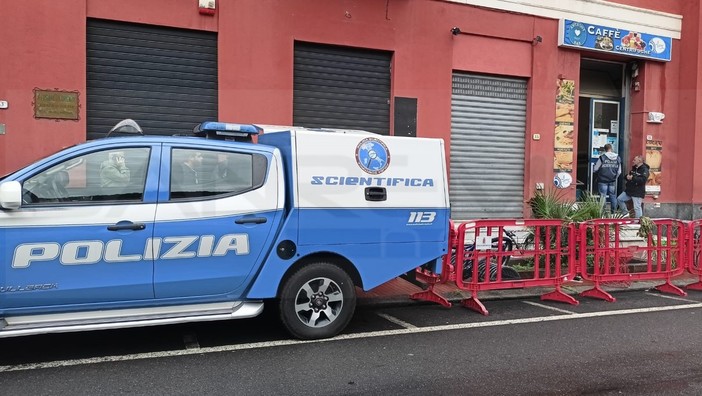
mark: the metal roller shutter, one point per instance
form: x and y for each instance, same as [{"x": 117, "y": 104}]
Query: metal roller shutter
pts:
[
  {"x": 488, "y": 122},
  {"x": 163, "y": 78},
  {"x": 341, "y": 87}
]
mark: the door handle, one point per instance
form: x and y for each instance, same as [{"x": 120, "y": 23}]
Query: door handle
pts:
[
  {"x": 251, "y": 220},
  {"x": 121, "y": 226},
  {"x": 376, "y": 194}
]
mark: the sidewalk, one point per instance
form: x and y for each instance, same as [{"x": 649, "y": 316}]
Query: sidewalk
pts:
[{"x": 398, "y": 291}]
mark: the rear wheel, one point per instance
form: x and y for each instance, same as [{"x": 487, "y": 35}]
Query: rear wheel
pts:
[
  {"x": 317, "y": 301},
  {"x": 509, "y": 273}
]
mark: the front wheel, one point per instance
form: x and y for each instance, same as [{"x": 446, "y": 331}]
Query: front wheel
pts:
[{"x": 317, "y": 301}]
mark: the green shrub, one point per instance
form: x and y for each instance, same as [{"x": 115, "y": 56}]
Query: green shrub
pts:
[{"x": 553, "y": 204}]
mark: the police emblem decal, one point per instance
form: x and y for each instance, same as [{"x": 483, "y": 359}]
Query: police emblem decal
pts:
[{"x": 372, "y": 155}]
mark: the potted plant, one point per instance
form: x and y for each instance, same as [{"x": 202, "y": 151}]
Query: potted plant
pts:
[{"x": 552, "y": 204}]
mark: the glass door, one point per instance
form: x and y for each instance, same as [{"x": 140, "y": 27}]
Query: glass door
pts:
[{"x": 604, "y": 128}]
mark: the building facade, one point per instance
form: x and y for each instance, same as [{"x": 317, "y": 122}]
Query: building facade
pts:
[{"x": 525, "y": 94}]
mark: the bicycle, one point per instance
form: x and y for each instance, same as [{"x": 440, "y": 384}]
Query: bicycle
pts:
[{"x": 508, "y": 243}]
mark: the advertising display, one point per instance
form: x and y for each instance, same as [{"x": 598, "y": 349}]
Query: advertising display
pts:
[
  {"x": 564, "y": 128},
  {"x": 654, "y": 159},
  {"x": 586, "y": 36}
]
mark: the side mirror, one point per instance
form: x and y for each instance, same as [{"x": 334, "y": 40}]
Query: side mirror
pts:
[{"x": 10, "y": 195}]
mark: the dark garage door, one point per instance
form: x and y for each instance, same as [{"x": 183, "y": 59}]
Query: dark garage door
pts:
[
  {"x": 163, "y": 78},
  {"x": 339, "y": 87}
]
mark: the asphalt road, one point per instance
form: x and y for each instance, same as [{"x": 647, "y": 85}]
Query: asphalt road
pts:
[{"x": 644, "y": 344}]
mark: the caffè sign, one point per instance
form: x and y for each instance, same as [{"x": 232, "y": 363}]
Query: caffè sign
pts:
[{"x": 56, "y": 104}]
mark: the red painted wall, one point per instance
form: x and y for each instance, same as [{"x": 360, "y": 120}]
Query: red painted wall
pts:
[
  {"x": 257, "y": 45},
  {"x": 46, "y": 49},
  {"x": 256, "y": 40},
  {"x": 173, "y": 13},
  {"x": 664, "y": 87},
  {"x": 425, "y": 55},
  {"x": 39, "y": 50},
  {"x": 688, "y": 90}
]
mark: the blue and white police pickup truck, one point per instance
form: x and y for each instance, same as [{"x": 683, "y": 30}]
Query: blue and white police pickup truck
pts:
[{"x": 144, "y": 230}]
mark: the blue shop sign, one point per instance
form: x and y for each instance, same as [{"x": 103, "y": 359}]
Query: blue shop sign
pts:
[{"x": 613, "y": 40}]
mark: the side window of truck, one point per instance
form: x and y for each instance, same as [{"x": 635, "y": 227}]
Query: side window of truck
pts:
[
  {"x": 108, "y": 175},
  {"x": 205, "y": 173}
]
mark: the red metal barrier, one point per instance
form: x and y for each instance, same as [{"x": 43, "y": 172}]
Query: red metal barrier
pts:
[
  {"x": 609, "y": 248},
  {"x": 603, "y": 251},
  {"x": 694, "y": 252},
  {"x": 431, "y": 278},
  {"x": 485, "y": 248},
  {"x": 448, "y": 271}
]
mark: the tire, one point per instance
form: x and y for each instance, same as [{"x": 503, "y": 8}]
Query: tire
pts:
[
  {"x": 317, "y": 301},
  {"x": 468, "y": 258},
  {"x": 509, "y": 273},
  {"x": 468, "y": 270}
]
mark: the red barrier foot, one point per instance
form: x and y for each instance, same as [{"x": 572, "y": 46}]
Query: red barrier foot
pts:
[
  {"x": 474, "y": 304},
  {"x": 426, "y": 276},
  {"x": 431, "y": 296},
  {"x": 695, "y": 286},
  {"x": 670, "y": 288},
  {"x": 559, "y": 296},
  {"x": 597, "y": 292}
]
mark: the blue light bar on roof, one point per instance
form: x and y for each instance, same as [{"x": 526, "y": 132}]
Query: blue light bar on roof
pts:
[{"x": 227, "y": 129}]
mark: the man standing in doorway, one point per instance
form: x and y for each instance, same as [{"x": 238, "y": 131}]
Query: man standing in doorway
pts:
[
  {"x": 608, "y": 168},
  {"x": 635, "y": 188}
]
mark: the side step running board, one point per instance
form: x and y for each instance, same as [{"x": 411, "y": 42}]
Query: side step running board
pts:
[{"x": 121, "y": 318}]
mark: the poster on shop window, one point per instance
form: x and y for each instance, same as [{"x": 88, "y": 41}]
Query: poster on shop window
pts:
[
  {"x": 654, "y": 159},
  {"x": 564, "y": 130}
]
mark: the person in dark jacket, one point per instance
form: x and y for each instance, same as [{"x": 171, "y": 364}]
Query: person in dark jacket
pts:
[
  {"x": 189, "y": 170},
  {"x": 185, "y": 174},
  {"x": 635, "y": 188},
  {"x": 608, "y": 169}
]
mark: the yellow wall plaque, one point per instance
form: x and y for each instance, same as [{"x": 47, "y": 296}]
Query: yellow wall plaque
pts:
[{"x": 60, "y": 105}]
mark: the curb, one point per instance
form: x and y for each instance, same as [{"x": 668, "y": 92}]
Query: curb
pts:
[{"x": 397, "y": 291}]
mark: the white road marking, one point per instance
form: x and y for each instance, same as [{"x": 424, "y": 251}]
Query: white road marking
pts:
[
  {"x": 384, "y": 333},
  {"x": 671, "y": 297},
  {"x": 551, "y": 308},
  {"x": 397, "y": 321}
]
